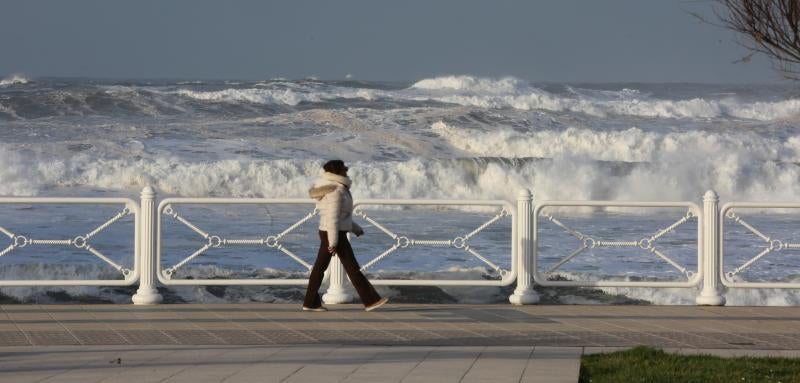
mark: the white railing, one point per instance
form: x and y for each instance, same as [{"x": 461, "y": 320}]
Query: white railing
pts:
[
  {"x": 19, "y": 239},
  {"x": 170, "y": 209},
  {"x": 458, "y": 241},
  {"x": 336, "y": 293},
  {"x": 523, "y": 255},
  {"x": 771, "y": 244},
  {"x": 648, "y": 244}
]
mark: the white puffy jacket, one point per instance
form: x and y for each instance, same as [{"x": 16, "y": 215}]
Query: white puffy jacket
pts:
[{"x": 335, "y": 206}]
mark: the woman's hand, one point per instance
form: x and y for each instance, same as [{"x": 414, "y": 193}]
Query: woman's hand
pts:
[{"x": 331, "y": 250}]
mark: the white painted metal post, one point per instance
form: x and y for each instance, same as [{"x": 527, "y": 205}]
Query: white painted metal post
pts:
[
  {"x": 526, "y": 263},
  {"x": 147, "y": 293},
  {"x": 336, "y": 292},
  {"x": 711, "y": 294}
]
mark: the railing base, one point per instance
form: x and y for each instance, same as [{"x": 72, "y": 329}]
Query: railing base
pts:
[
  {"x": 336, "y": 296},
  {"x": 710, "y": 300},
  {"x": 525, "y": 297},
  {"x": 147, "y": 297}
]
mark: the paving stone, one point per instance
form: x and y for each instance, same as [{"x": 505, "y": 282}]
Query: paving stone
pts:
[
  {"x": 285, "y": 337},
  {"x": 602, "y": 350},
  {"x": 499, "y": 364},
  {"x": 222, "y": 366},
  {"x": 98, "y": 337},
  {"x": 13, "y": 338},
  {"x": 144, "y": 337},
  {"x": 553, "y": 365},
  {"x": 280, "y": 365},
  {"x": 648, "y": 339},
  {"x": 444, "y": 364},
  {"x": 51, "y": 338},
  {"x": 693, "y": 339},
  {"x": 596, "y": 338},
  {"x": 193, "y": 337},
  {"x": 240, "y": 337},
  {"x": 389, "y": 365},
  {"x": 334, "y": 366}
]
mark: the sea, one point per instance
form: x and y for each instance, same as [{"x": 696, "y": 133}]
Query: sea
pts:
[{"x": 457, "y": 137}]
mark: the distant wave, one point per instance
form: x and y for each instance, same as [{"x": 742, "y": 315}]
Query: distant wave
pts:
[
  {"x": 513, "y": 93},
  {"x": 471, "y": 84},
  {"x": 14, "y": 80},
  {"x": 469, "y": 91},
  {"x": 509, "y": 92},
  {"x": 286, "y": 96}
]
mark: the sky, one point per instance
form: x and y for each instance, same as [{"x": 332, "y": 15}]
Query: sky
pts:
[{"x": 538, "y": 40}]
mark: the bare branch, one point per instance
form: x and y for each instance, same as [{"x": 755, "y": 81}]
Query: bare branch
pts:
[{"x": 771, "y": 27}]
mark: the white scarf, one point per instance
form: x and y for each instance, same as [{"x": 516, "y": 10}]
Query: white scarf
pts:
[{"x": 337, "y": 178}]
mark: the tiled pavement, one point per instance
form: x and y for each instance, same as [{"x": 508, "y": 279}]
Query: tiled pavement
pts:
[
  {"x": 264, "y": 342},
  {"x": 771, "y": 328}
]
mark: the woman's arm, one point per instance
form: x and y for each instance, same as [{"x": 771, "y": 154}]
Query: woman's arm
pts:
[
  {"x": 357, "y": 230},
  {"x": 334, "y": 201}
]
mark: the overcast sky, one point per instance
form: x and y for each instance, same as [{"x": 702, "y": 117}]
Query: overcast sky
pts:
[{"x": 539, "y": 40}]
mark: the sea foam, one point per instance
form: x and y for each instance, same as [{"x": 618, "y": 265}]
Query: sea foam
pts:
[
  {"x": 517, "y": 94},
  {"x": 16, "y": 79}
]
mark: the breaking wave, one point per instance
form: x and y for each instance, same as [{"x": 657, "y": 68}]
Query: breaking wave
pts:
[
  {"x": 513, "y": 93},
  {"x": 487, "y": 93},
  {"x": 14, "y": 80},
  {"x": 286, "y": 96},
  {"x": 665, "y": 168}
]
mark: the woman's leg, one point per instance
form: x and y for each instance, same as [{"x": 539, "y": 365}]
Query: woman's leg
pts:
[
  {"x": 365, "y": 289},
  {"x": 313, "y": 299}
]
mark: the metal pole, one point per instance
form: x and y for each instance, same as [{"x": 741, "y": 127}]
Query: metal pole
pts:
[
  {"x": 711, "y": 294},
  {"x": 147, "y": 293},
  {"x": 526, "y": 262},
  {"x": 336, "y": 292}
]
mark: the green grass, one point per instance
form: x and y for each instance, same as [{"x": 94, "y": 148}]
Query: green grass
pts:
[{"x": 645, "y": 364}]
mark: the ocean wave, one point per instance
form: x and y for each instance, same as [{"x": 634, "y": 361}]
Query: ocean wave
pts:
[
  {"x": 438, "y": 92},
  {"x": 628, "y": 145},
  {"x": 674, "y": 175},
  {"x": 16, "y": 79},
  {"x": 8, "y": 113},
  {"x": 255, "y": 96},
  {"x": 517, "y": 94},
  {"x": 272, "y": 95},
  {"x": 687, "y": 296},
  {"x": 471, "y": 84}
]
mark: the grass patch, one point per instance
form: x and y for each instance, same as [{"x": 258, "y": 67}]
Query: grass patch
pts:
[{"x": 645, "y": 364}]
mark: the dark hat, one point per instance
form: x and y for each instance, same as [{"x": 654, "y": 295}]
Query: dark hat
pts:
[{"x": 334, "y": 166}]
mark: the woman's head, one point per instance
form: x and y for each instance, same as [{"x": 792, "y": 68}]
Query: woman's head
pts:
[{"x": 335, "y": 167}]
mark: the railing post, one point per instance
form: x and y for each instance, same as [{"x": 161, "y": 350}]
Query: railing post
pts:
[
  {"x": 526, "y": 263},
  {"x": 711, "y": 294},
  {"x": 147, "y": 293},
  {"x": 336, "y": 292}
]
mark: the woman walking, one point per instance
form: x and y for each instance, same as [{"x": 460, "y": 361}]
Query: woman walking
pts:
[{"x": 336, "y": 220}]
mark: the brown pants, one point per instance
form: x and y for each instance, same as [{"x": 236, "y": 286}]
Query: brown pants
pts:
[{"x": 345, "y": 253}]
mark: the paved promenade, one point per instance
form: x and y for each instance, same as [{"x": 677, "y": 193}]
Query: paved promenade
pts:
[{"x": 409, "y": 343}]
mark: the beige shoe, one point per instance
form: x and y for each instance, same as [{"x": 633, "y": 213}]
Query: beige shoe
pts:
[
  {"x": 377, "y": 304},
  {"x": 316, "y": 309}
]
